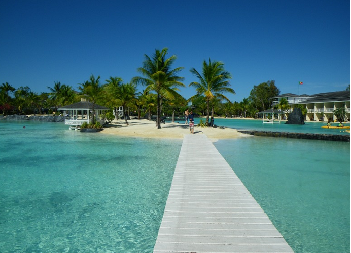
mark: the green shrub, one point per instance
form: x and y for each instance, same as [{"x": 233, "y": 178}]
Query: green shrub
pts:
[
  {"x": 202, "y": 123},
  {"x": 84, "y": 125},
  {"x": 97, "y": 125}
]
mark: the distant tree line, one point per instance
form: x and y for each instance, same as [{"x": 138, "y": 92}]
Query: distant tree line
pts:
[{"x": 160, "y": 96}]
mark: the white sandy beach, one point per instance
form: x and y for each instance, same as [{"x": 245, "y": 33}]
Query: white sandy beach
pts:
[{"x": 147, "y": 129}]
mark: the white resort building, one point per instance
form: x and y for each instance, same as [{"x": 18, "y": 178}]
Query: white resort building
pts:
[{"x": 320, "y": 106}]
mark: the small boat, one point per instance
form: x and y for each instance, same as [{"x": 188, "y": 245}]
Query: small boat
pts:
[
  {"x": 336, "y": 127},
  {"x": 74, "y": 127}
]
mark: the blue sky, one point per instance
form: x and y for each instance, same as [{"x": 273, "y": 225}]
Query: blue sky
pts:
[{"x": 257, "y": 40}]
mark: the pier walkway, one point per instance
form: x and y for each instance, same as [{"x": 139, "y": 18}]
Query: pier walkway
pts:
[{"x": 209, "y": 209}]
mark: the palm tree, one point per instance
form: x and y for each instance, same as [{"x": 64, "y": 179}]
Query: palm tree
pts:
[
  {"x": 214, "y": 81},
  {"x": 6, "y": 87},
  {"x": 61, "y": 95},
  {"x": 91, "y": 89},
  {"x": 67, "y": 95},
  {"x": 55, "y": 93},
  {"x": 126, "y": 96},
  {"x": 340, "y": 114},
  {"x": 5, "y": 98},
  {"x": 160, "y": 78},
  {"x": 148, "y": 101},
  {"x": 21, "y": 98},
  {"x": 245, "y": 105},
  {"x": 112, "y": 89}
]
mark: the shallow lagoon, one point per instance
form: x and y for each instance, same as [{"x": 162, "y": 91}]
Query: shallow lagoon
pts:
[
  {"x": 303, "y": 186},
  {"x": 66, "y": 191},
  {"x": 256, "y": 124}
]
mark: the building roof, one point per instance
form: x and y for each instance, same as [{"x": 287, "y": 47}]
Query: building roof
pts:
[
  {"x": 292, "y": 95},
  {"x": 272, "y": 111},
  {"x": 338, "y": 96},
  {"x": 83, "y": 105}
]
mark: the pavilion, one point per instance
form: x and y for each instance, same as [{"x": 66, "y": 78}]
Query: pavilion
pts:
[
  {"x": 81, "y": 112},
  {"x": 268, "y": 115}
]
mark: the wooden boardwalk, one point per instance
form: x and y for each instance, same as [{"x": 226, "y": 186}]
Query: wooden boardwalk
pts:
[{"x": 209, "y": 209}]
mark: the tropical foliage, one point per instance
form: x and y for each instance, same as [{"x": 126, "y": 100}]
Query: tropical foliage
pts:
[
  {"x": 161, "y": 82},
  {"x": 213, "y": 82},
  {"x": 159, "y": 77},
  {"x": 340, "y": 114},
  {"x": 261, "y": 96}
]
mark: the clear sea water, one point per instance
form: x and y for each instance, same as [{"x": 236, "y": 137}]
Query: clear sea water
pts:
[
  {"x": 249, "y": 124},
  {"x": 303, "y": 186},
  {"x": 66, "y": 191}
]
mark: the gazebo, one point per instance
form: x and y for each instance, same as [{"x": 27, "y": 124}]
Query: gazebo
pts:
[
  {"x": 82, "y": 112},
  {"x": 268, "y": 115}
]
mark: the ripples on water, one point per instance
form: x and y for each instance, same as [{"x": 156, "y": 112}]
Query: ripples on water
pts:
[
  {"x": 66, "y": 191},
  {"x": 303, "y": 186}
]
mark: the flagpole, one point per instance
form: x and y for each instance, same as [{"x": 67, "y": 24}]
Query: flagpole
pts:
[{"x": 298, "y": 90}]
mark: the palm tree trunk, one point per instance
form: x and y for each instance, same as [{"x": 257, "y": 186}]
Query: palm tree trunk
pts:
[
  {"x": 158, "y": 111},
  {"x": 125, "y": 114},
  {"x": 207, "y": 111}
]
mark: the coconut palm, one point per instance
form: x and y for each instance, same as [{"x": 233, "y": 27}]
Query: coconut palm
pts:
[
  {"x": 61, "y": 94},
  {"x": 148, "y": 101},
  {"x": 7, "y": 88},
  {"x": 126, "y": 96},
  {"x": 21, "y": 98},
  {"x": 111, "y": 91},
  {"x": 160, "y": 78},
  {"x": 340, "y": 114},
  {"x": 213, "y": 82},
  {"x": 91, "y": 89},
  {"x": 5, "y": 98},
  {"x": 55, "y": 93}
]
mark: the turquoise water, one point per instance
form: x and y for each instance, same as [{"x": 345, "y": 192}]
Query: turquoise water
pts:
[
  {"x": 247, "y": 124},
  {"x": 303, "y": 186},
  {"x": 66, "y": 191}
]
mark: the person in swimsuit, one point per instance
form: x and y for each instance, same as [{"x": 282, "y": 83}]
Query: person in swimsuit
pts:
[{"x": 186, "y": 116}]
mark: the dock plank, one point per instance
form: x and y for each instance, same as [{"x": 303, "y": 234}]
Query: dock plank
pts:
[{"x": 209, "y": 209}]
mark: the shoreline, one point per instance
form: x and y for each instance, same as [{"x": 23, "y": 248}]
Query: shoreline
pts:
[{"x": 144, "y": 128}]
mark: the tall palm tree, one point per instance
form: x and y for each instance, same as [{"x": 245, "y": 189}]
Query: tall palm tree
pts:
[
  {"x": 160, "y": 78},
  {"x": 213, "y": 82}
]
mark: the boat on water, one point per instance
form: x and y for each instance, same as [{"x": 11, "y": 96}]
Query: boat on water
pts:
[
  {"x": 336, "y": 127},
  {"x": 74, "y": 127}
]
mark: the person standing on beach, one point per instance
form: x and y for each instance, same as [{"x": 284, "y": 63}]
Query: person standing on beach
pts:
[
  {"x": 186, "y": 116},
  {"x": 191, "y": 122}
]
